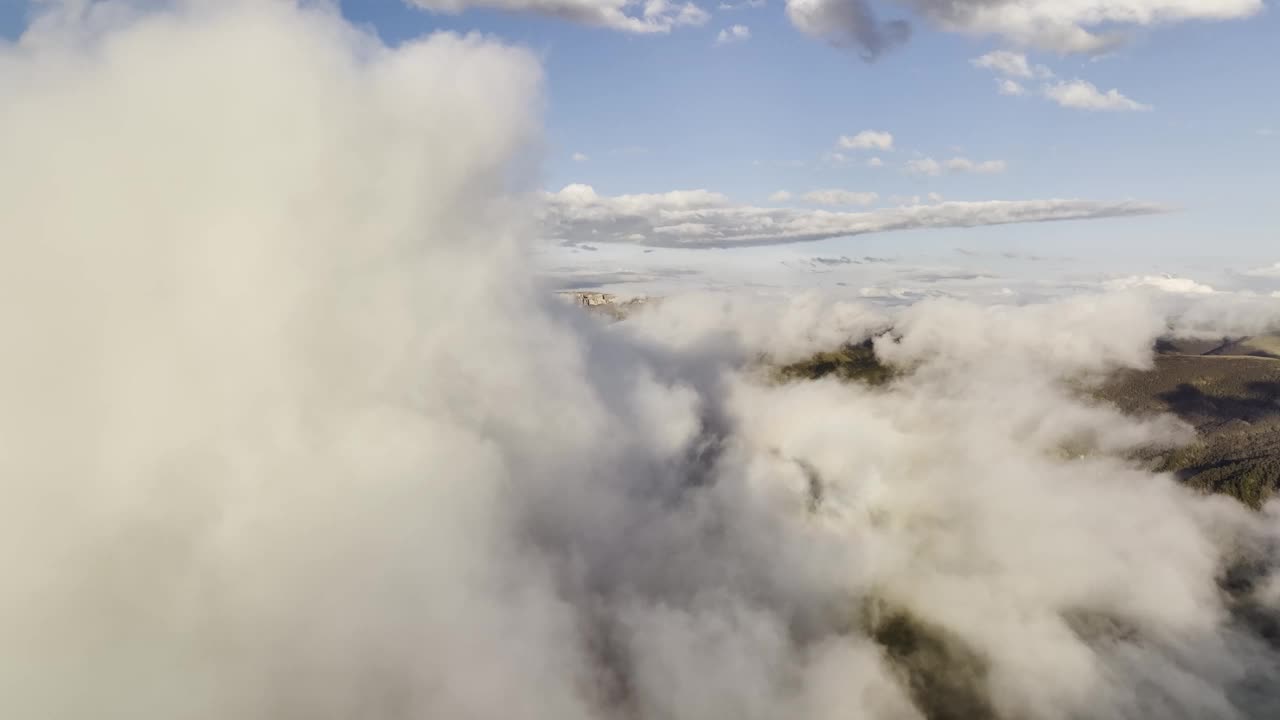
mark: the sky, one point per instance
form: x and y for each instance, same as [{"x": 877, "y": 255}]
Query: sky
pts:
[{"x": 821, "y": 105}]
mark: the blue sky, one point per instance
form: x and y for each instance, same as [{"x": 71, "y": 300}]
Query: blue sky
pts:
[{"x": 674, "y": 110}]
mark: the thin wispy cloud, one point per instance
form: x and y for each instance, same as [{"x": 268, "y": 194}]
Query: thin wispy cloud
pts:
[
  {"x": 733, "y": 34},
  {"x": 835, "y": 197},
  {"x": 1011, "y": 64},
  {"x": 933, "y": 168},
  {"x": 699, "y": 218},
  {"x": 1005, "y": 86},
  {"x": 866, "y": 140}
]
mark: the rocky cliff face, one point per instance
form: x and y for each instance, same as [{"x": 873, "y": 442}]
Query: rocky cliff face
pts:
[
  {"x": 591, "y": 299},
  {"x": 606, "y": 303}
]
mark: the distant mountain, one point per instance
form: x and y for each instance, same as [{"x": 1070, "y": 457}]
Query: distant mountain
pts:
[
  {"x": 1230, "y": 392},
  {"x": 1227, "y": 389}
]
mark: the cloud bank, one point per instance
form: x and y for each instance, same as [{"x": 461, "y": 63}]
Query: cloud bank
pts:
[
  {"x": 654, "y": 16},
  {"x": 698, "y": 218},
  {"x": 1050, "y": 25},
  {"x": 290, "y": 433}
]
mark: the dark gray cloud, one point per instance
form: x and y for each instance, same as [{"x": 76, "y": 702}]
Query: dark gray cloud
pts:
[{"x": 848, "y": 24}]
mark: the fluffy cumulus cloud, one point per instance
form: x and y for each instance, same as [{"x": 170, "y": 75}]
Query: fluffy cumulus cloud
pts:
[
  {"x": 651, "y": 16},
  {"x": 698, "y": 218},
  {"x": 866, "y": 140},
  {"x": 1063, "y": 27},
  {"x": 1078, "y": 94},
  {"x": 1165, "y": 283},
  {"x": 290, "y": 432},
  {"x": 733, "y": 34},
  {"x": 1084, "y": 95}
]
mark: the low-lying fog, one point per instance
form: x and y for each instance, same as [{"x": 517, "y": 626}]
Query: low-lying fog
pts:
[{"x": 291, "y": 431}]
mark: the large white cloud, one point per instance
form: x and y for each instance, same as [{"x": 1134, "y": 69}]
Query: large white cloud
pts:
[
  {"x": 651, "y": 16},
  {"x": 1075, "y": 26},
  {"x": 1166, "y": 283},
  {"x": 699, "y": 218},
  {"x": 1053, "y": 25},
  {"x": 290, "y": 432}
]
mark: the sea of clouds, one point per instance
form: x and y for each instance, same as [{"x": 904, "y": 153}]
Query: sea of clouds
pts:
[{"x": 291, "y": 431}]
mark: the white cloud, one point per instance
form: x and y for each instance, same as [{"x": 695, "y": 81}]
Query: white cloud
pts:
[
  {"x": 866, "y": 140},
  {"x": 875, "y": 162},
  {"x": 656, "y": 16},
  {"x": 1164, "y": 283},
  {"x": 840, "y": 197},
  {"x": 309, "y": 409},
  {"x": 1050, "y": 25},
  {"x": 924, "y": 166},
  {"x": 1079, "y": 94},
  {"x": 1084, "y": 95},
  {"x": 1012, "y": 64},
  {"x": 580, "y": 157},
  {"x": 986, "y": 167},
  {"x": 932, "y": 168},
  {"x": 698, "y": 218},
  {"x": 733, "y": 34},
  {"x": 1067, "y": 27},
  {"x": 780, "y": 196},
  {"x": 1267, "y": 271},
  {"x": 1005, "y": 86}
]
